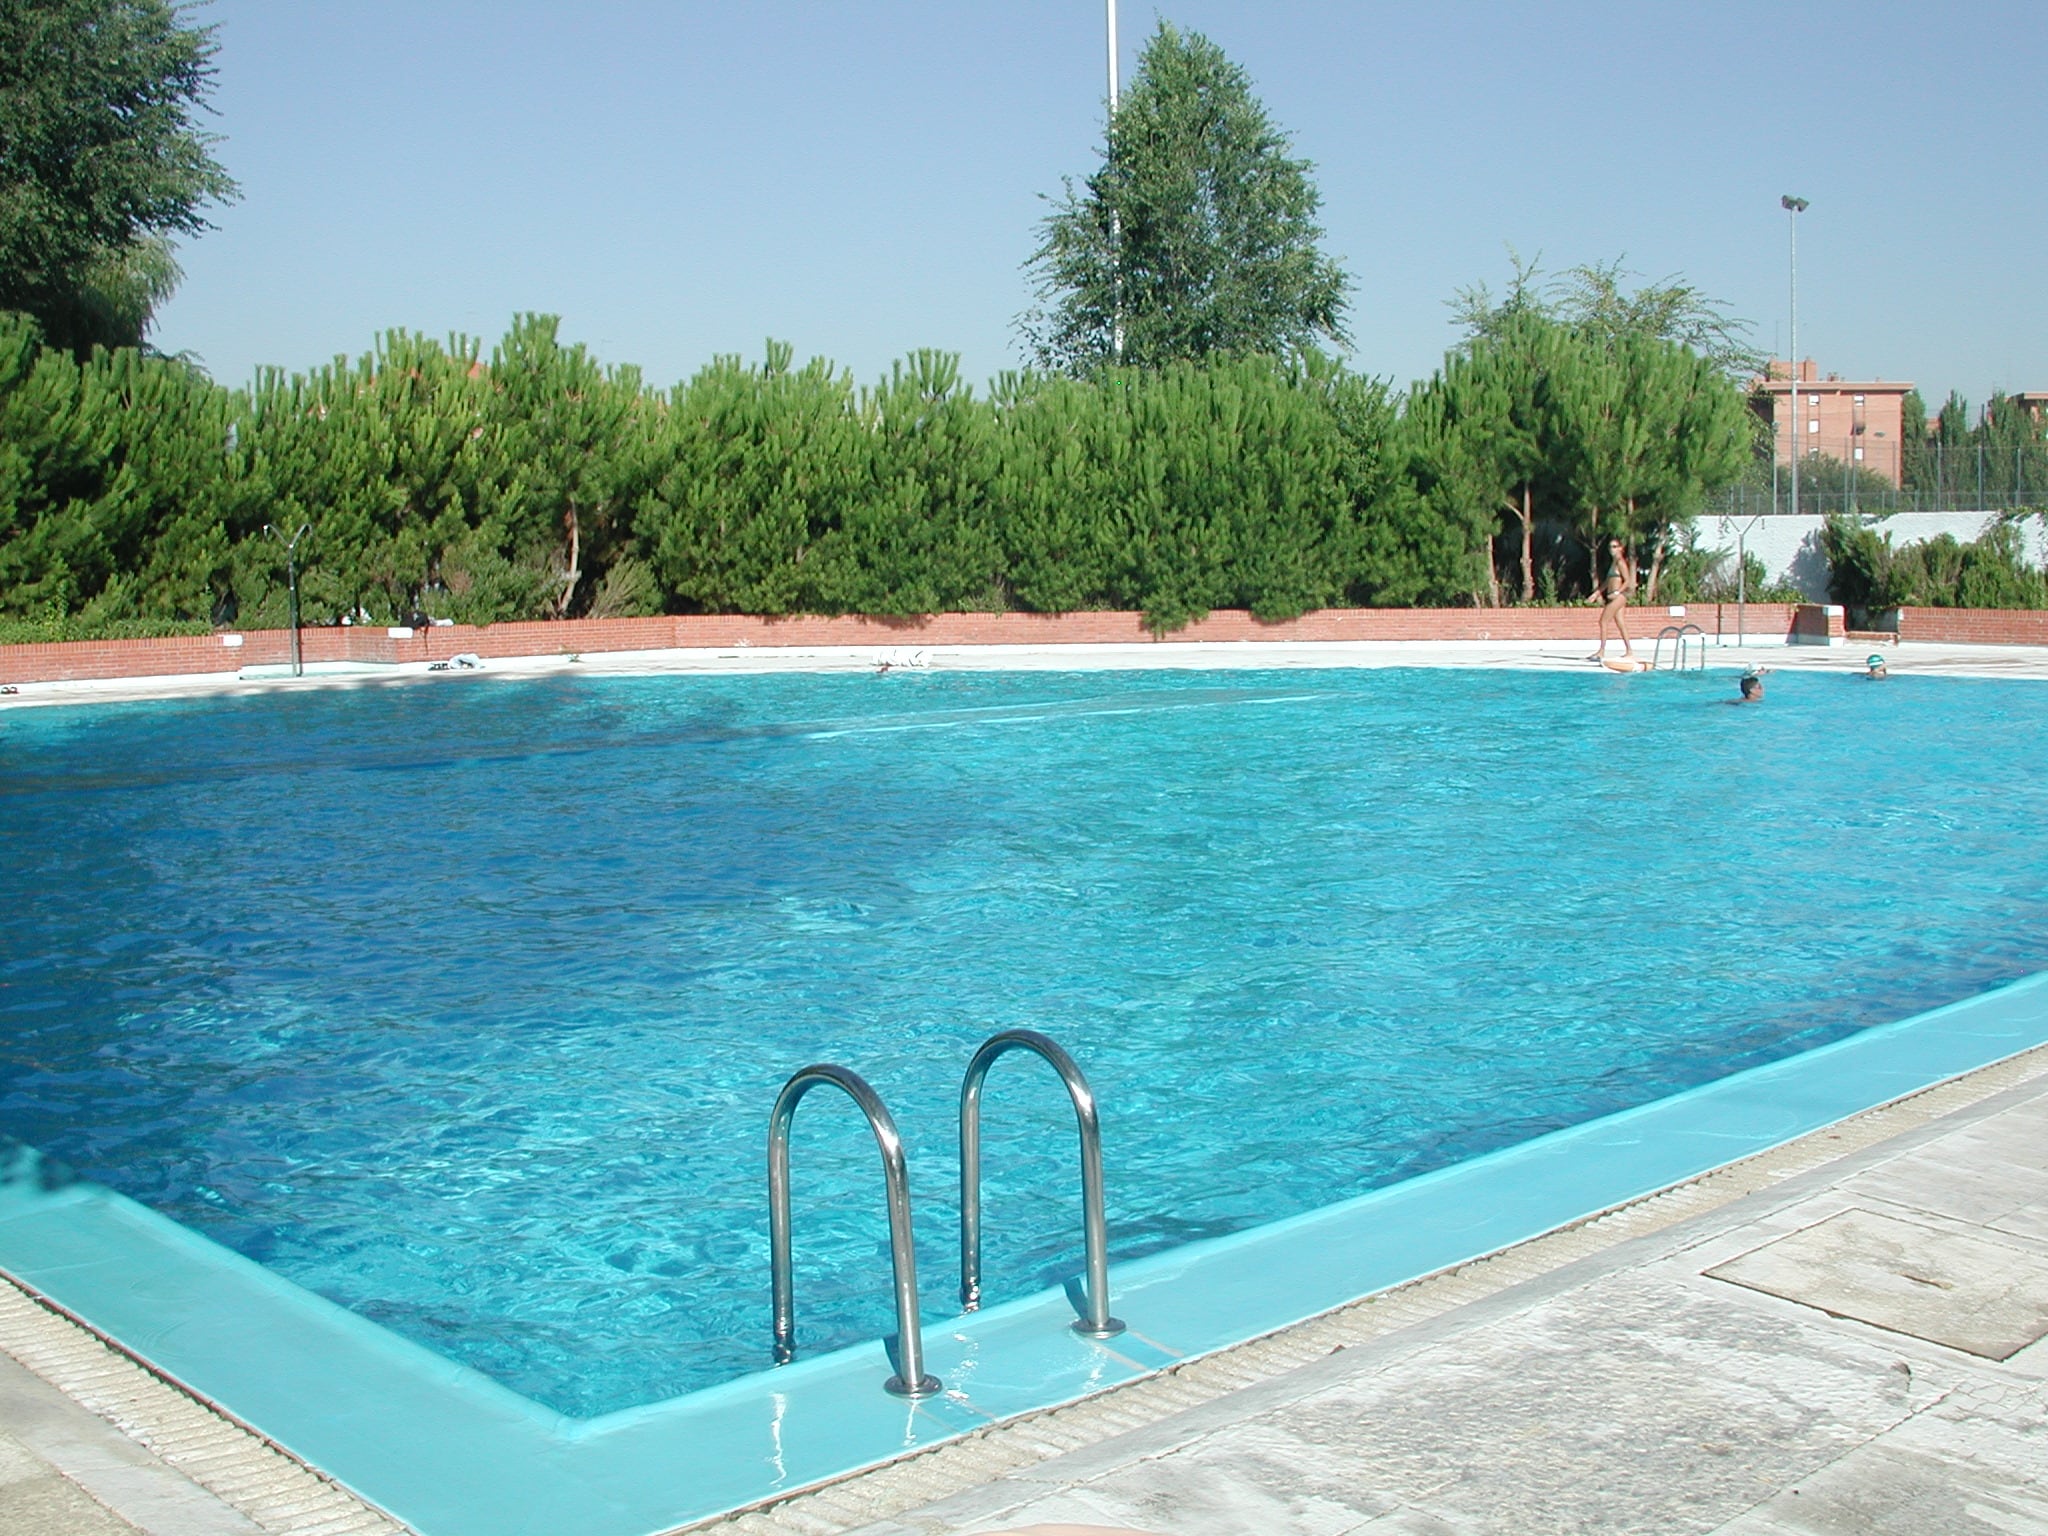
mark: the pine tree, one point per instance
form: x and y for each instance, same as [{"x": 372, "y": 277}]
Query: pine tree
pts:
[
  {"x": 1197, "y": 235},
  {"x": 1485, "y": 428}
]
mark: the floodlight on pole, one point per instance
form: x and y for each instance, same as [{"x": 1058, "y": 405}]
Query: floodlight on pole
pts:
[{"x": 1794, "y": 206}]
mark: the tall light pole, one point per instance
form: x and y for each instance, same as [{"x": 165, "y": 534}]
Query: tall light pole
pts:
[
  {"x": 1795, "y": 206},
  {"x": 1116, "y": 223},
  {"x": 1112, "y": 57}
]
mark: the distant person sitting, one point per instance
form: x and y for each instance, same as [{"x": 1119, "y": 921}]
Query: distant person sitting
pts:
[{"x": 1874, "y": 668}]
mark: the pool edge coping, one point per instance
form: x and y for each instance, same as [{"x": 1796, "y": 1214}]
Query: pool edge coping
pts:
[
  {"x": 258, "y": 1478},
  {"x": 875, "y": 1493}
]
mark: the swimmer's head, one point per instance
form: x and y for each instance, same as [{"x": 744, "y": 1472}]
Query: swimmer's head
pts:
[
  {"x": 1875, "y": 664},
  {"x": 1752, "y": 686}
]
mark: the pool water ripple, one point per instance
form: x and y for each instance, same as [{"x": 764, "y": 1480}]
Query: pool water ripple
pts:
[{"x": 464, "y": 1005}]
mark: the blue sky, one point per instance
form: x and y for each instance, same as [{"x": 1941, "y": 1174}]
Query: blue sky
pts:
[{"x": 678, "y": 180}]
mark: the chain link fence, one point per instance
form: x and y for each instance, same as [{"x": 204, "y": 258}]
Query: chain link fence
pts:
[{"x": 1837, "y": 476}]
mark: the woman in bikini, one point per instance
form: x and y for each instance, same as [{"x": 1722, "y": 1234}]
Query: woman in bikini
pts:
[{"x": 1614, "y": 591}]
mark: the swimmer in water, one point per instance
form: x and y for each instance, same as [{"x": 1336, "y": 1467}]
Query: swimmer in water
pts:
[
  {"x": 1751, "y": 687},
  {"x": 1874, "y": 668}
]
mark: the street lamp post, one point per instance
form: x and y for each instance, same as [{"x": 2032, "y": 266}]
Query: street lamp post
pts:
[
  {"x": 291, "y": 576},
  {"x": 1112, "y": 56},
  {"x": 1116, "y": 223},
  {"x": 1795, "y": 206}
]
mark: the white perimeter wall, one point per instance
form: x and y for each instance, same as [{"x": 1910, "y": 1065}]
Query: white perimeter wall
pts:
[{"x": 1789, "y": 546}]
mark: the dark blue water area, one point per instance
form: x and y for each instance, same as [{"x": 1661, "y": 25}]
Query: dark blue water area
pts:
[{"x": 464, "y": 1005}]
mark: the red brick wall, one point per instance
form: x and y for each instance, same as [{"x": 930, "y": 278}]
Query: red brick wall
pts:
[
  {"x": 1974, "y": 626},
  {"x": 206, "y": 653}
]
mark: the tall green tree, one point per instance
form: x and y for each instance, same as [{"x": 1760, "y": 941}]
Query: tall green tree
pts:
[
  {"x": 380, "y": 457},
  {"x": 762, "y": 466},
  {"x": 918, "y": 540},
  {"x": 1647, "y": 428},
  {"x": 1596, "y": 300},
  {"x": 102, "y": 161},
  {"x": 1599, "y": 409},
  {"x": 567, "y": 455},
  {"x": 1916, "y": 464},
  {"x": 1485, "y": 429},
  {"x": 1197, "y": 235}
]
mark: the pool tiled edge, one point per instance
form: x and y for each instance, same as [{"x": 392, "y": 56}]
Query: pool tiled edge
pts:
[{"x": 455, "y": 1455}]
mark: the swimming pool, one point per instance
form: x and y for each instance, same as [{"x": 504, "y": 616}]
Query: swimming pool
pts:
[{"x": 463, "y": 1007}]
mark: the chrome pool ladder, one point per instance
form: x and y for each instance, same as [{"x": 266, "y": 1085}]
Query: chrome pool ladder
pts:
[
  {"x": 1679, "y": 635},
  {"x": 1097, "y": 1323},
  {"x": 910, "y": 1379}
]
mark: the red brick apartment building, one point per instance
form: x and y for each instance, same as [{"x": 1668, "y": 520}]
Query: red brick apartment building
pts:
[{"x": 1856, "y": 421}]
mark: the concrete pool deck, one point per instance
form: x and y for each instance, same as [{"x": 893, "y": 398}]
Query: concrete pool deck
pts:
[
  {"x": 1906, "y": 659},
  {"x": 1803, "y": 1341}
]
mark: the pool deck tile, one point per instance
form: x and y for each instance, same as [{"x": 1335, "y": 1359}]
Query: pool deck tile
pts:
[{"x": 1629, "y": 1392}]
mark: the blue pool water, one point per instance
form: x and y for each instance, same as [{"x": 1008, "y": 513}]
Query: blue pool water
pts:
[{"x": 464, "y": 1005}]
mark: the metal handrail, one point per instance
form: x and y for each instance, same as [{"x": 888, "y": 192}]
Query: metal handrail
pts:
[
  {"x": 1098, "y": 1324},
  {"x": 911, "y": 1380},
  {"x": 1677, "y": 634}
]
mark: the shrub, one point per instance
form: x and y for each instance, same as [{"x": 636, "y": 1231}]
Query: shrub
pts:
[{"x": 1868, "y": 575}]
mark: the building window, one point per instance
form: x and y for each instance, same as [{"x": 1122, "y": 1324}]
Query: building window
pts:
[
  {"x": 1813, "y": 426},
  {"x": 1859, "y": 399},
  {"x": 1859, "y": 453}
]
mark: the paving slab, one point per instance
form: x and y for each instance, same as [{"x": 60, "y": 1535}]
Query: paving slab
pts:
[
  {"x": 80, "y": 1471},
  {"x": 38, "y": 1500},
  {"x": 1984, "y": 1297}
]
